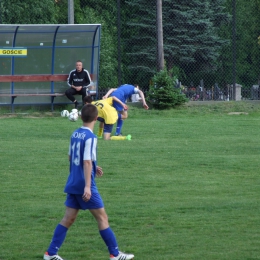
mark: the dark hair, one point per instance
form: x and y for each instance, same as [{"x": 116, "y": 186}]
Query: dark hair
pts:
[
  {"x": 79, "y": 61},
  {"x": 87, "y": 99},
  {"x": 89, "y": 113}
]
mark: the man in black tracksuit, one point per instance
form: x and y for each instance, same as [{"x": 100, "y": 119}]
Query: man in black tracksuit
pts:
[{"x": 78, "y": 81}]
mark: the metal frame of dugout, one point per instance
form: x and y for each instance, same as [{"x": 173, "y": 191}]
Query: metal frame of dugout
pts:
[{"x": 51, "y": 49}]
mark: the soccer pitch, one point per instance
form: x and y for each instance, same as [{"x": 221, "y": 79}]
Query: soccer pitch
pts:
[{"x": 186, "y": 187}]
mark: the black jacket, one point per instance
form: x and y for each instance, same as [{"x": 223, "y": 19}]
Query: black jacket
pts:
[{"x": 79, "y": 78}]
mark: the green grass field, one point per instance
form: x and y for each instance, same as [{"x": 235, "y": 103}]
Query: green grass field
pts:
[{"x": 186, "y": 187}]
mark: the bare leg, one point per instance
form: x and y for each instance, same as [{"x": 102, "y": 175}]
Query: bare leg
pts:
[
  {"x": 101, "y": 217},
  {"x": 69, "y": 217}
]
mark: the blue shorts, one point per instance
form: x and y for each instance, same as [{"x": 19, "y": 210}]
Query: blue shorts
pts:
[
  {"x": 107, "y": 128},
  {"x": 75, "y": 201}
]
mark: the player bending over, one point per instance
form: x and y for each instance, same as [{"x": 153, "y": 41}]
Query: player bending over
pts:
[
  {"x": 123, "y": 93},
  {"x": 107, "y": 116}
]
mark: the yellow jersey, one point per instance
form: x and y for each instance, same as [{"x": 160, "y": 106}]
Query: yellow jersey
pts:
[{"x": 106, "y": 110}]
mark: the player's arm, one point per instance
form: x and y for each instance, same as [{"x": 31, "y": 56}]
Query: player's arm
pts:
[
  {"x": 69, "y": 152},
  {"x": 140, "y": 92},
  {"x": 120, "y": 102},
  {"x": 109, "y": 93},
  {"x": 87, "y": 167}
]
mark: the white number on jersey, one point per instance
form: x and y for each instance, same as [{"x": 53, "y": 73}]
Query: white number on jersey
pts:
[{"x": 76, "y": 153}]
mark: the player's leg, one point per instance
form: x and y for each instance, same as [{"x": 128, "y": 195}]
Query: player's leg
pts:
[
  {"x": 101, "y": 127},
  {"x": 107, "y": 134},
  {"x": 124, "y": 115},
  {"x": 102, "y": 221},
  {"x": 61, "y": 229},
  {"x": 108, "y": 235},
  {"x": 119, "y": 108},
  {"x": 100, "y": 130},
  {"x": 121, "y": 115},
  {"x": 121, "y": 137},
  {"x": 70, "y": 92},
  {"x": 60, "y": 233},
  {"x": 101, "y": 217},
  {"x": 105, "y": 231},
  {"x": 69, "y": 217},
  {"x": 107, "y": 131}
]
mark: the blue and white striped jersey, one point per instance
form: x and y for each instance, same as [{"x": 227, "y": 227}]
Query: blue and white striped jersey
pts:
[{"x": 83, "y": 146}]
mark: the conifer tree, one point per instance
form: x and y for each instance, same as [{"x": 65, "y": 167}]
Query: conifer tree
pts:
[
  {"x": 163, "y": 93},
  {"x": 139, "y": 40},
  {"x": 190, "y": 31}
]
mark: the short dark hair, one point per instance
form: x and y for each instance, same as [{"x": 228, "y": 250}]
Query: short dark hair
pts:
[
  {"x": 87, "y": 99},
  {"x": 89, "y": 113}
]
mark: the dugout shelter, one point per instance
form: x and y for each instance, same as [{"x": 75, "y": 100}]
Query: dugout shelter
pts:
[{"x": 36, "y": 59}]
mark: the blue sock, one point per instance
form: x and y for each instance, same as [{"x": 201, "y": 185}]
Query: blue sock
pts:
[
  {"x": 119, "y": 124},
  {"x": 57, "y": 239},
  {"x": 110, "y": 240}
]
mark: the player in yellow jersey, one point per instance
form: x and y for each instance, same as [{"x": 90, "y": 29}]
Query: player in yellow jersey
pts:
[{"x": 107, "y": 116}]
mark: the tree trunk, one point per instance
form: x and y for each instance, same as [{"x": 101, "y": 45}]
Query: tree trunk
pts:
[{"x": 160, "y": 53}]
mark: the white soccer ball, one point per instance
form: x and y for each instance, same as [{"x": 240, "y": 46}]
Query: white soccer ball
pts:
[
  {"x": 74, "y": 110},
  {"x": 73, "y": 117},
  {"x": 64, "y": 113}
]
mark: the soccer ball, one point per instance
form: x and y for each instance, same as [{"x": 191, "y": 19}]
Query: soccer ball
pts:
[
  {"x": 74, "y": 110},
  {"x": 73, "y": 117},
  {"x": 64, "y": 113}
]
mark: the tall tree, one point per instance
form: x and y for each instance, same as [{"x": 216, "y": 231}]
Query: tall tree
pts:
[
  {"x": 160, "y": 51},
  {"x": 190, "y": 29},
  {"x": 139, "y": 41}
]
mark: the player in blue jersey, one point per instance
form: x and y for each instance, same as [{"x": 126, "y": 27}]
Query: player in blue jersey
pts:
[
  {"x": 123, "y": 93},
  {"x": 81, "y": 189}
]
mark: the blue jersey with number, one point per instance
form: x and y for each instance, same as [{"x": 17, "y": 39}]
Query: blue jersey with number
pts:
[{"x": 83, "y": 146}]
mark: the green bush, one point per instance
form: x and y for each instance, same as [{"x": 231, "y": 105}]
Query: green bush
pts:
[{"x": 163, "y": 93}]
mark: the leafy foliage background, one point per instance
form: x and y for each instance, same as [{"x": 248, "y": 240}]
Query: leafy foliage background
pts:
[{"x": 197, "y": 37}]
